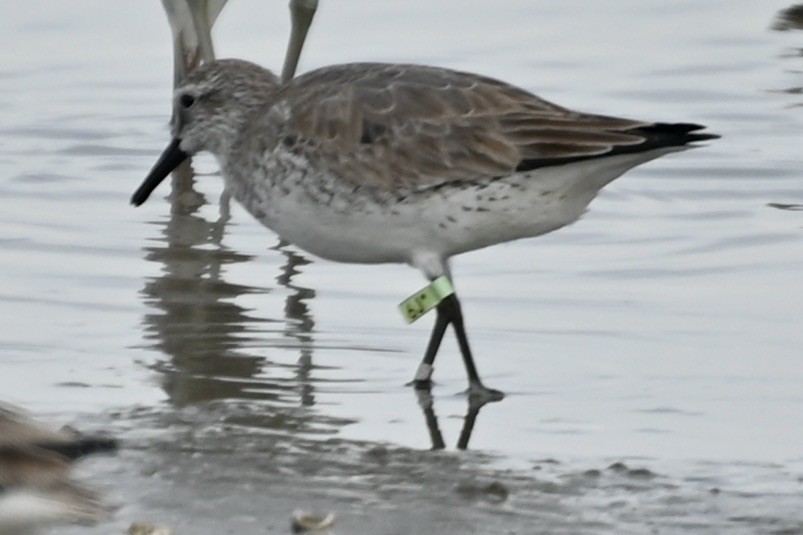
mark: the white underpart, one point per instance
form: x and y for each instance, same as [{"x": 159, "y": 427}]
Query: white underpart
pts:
[{"x": 426, "y": 229}]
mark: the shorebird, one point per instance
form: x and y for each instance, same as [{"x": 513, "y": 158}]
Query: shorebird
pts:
[
  {"x": 389, "y": 163},
  {"x": 191, "y": 23},
  {"x": 35, "y": 484}
]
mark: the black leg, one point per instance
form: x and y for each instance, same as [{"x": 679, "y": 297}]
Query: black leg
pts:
[
  {"x": 424, "y": 373},
  {"x": 475, "y": 386},
  {"x": 449, "y": 312},
  {"x": 450, "y": 307}
]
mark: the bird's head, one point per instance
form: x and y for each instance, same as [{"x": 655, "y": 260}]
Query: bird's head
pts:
[{"x": 209, "y": 108}]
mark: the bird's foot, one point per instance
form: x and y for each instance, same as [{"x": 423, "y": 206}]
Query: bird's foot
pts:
[{"x": 479, "y": 394}]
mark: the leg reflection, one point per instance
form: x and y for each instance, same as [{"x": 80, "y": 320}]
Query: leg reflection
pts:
[
  {"x": 426, "y": 402},
  {"x": 197, "y": 321},
  {"x": 299, "y": 324},
  {"x": 194, "y": 317}
]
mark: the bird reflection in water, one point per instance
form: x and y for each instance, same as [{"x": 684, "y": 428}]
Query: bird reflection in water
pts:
[
  {"x": 299, "y": 324},
  {"x": 200, "y": 325},
  {"x": 217, "y": 350},
  {"x": 790, "y": 19}
]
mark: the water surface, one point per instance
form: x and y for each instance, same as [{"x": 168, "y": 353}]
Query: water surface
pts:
[{"x": 662, "y": 331}]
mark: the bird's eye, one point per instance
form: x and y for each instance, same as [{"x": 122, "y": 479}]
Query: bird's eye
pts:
[{"x": 186, "y": 101}]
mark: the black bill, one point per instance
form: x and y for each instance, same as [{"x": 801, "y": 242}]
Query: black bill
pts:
[{"x": 169, "y": 160}]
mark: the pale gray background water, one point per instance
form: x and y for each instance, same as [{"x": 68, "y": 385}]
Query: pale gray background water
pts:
[{"x": 663, "y": 330}]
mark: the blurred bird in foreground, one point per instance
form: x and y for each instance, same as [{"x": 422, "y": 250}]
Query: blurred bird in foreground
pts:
[{"x": 36, "y": 487}]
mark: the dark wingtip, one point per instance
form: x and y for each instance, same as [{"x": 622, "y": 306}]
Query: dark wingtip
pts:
[
  {"x": 674, "y": 134},
  {"x": 702, "y": 137},
  {"x": 655, "y": 136}
]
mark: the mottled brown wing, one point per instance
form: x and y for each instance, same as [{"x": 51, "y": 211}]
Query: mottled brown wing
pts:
[{"x": 409, "y": 126}]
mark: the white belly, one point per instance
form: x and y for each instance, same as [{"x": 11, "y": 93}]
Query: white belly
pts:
[{"x": 444, "y": 222}]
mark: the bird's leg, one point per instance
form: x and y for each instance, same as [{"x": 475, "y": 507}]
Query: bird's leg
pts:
[
  {"x": 424, "y": 372},
  {"x": 301, "y": 13},
  {"x": 449, "y": 312},
  {"x": 450, "y": 307}
]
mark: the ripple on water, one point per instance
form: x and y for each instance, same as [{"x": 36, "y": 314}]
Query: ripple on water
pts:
[{"x": 623, "y": 340}]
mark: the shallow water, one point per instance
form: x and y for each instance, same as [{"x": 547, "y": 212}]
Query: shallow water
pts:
[{"x": 662, "y": 331}]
